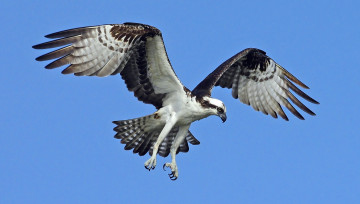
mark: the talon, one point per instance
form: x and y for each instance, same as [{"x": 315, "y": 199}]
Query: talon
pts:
[
  {"x": 150, "y": 164},
  {"x": 172, "y": 177}
]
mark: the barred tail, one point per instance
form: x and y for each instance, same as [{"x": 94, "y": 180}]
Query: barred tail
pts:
[{"x": 136, "y": 135}]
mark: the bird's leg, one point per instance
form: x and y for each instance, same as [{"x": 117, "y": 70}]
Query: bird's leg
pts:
[
  {"x": 151, "y": 163},
  {"x": 180, "y": 136}
]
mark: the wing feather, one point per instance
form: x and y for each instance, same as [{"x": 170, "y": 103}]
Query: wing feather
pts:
[
  {"x": 259, "y": 98},
  {"x": 77, "y": 68},
  {"x": 257, "y": 80},
  {"x": 111, "y": 49},
  {"x": 298, "y": 103},
  {"x": 273, "y": 106},
  {"x": 235, "y": 83},
  {"x": 57, "y": 53},
  {"x": 263, "y": 98},
  {"x": 276, "y": 97},
  {"x": 58, "y": 43},
  {"x": 59, "y": 62},
  {"x": 251, "y": 94},
  {"x": 299, "y": 92},
  {"x": 242, "y": 89}
]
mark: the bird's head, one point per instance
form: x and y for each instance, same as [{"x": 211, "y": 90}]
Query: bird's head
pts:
[{"x": 215, "y": 106}]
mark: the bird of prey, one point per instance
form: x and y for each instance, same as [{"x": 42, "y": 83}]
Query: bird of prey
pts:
[{"x": 137, "y": 53}]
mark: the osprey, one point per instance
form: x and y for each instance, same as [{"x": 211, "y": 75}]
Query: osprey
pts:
[{"x": 137, "y": 53}]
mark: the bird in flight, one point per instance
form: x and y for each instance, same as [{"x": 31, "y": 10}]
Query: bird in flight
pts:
[{"x": 137, "y": 52}]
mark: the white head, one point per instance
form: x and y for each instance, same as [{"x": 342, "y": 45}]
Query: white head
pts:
[{"x": 215, "y": 107}]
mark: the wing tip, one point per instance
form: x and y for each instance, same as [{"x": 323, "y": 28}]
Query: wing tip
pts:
[
  {"x": 59, "y": 34},
  {"x": 39, "y": 59},
  {"x": 66, "y": 71},
  {"x": 36, "y": 46},
  {"x": 50, "y": 66},
  {"x": 41, "y": 46},
  {"x": 51, "y": 35},
  {"x": 301, "y": 117},
  {"x": 292, "y": 77},
  {"x": 315, "y": 101},
  {"x": 197, "y": 142},
  {"x": 285, "y": 117}
]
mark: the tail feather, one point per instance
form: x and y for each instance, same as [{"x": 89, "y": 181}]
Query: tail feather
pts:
[
  {"x": 165, "y": 146},
  {"x": 134, "y": 134},
  {"x": 190, "y": 138},
  {"x": 145, "y": 146},
  {"x": 184, "y": 147},
  {"x": 134, "y": 139}
]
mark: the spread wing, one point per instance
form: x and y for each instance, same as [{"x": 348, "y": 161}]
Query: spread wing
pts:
[
  {"x": 257, "y": 80},
  {"x": 136, "y": 51}
]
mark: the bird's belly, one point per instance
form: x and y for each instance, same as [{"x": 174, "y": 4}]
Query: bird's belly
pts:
[
  {"x": 189, "y": 117},
  {"x": 186, "y": 111}
]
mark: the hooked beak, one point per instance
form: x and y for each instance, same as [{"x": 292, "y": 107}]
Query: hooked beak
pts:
[{"x": 223, "y": 117}]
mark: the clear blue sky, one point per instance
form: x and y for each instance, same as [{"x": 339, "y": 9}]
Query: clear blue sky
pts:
[{"x": 56, "y": 137}]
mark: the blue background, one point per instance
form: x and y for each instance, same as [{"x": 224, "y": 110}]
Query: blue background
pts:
[{"x": 57, "y": 144}]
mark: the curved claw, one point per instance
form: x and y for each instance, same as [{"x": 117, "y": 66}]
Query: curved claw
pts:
[
  {"x": 149, "y": 168},
  {"x": 172, "y": 176},
  {"x": 173, "y": 171},
  {"x": 150, "y": 164},
  {"x": 164, "y": 167}
]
